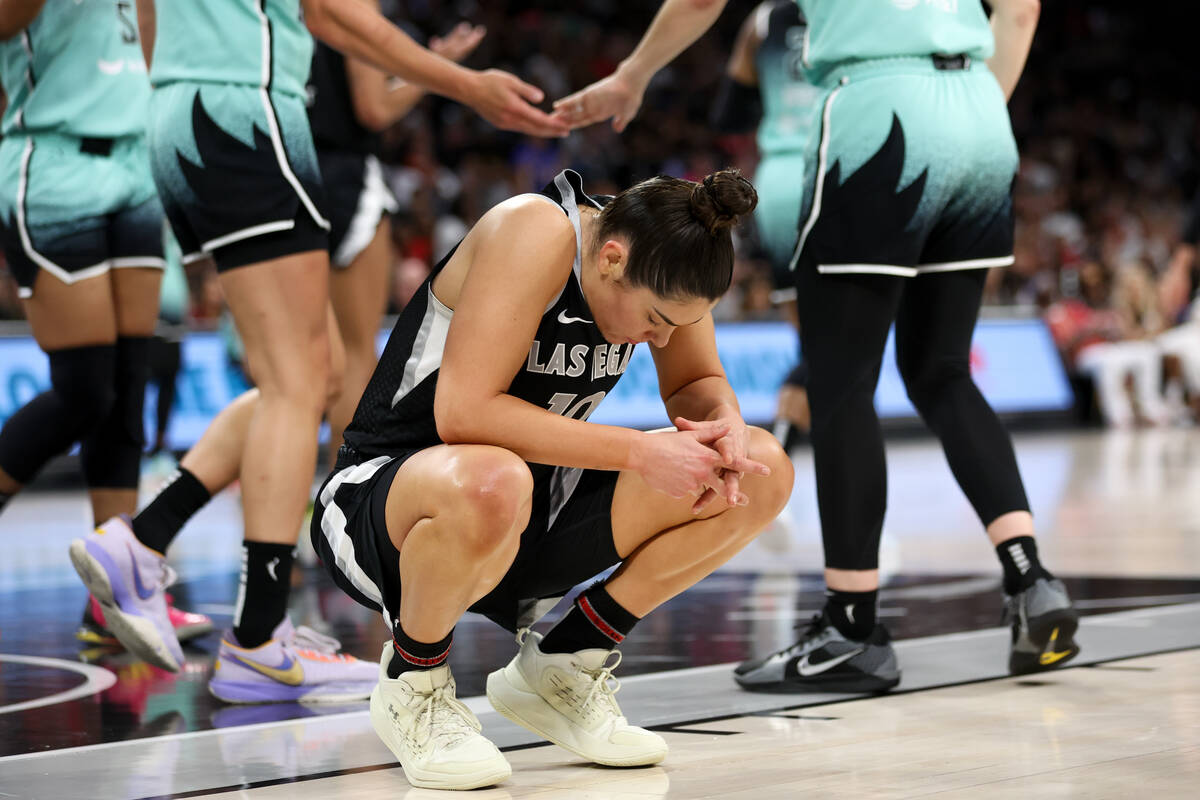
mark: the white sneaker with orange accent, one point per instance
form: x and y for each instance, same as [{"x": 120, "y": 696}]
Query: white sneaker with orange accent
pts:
[{"x": 294, "y": 665}]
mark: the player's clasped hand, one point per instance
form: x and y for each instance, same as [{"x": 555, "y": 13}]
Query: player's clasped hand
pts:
[
  {"x": 732, "y": 465},
  {"x": 690, "y": 461}
]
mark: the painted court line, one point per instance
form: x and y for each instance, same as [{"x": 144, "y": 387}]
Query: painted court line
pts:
[{"x": 479, "y": 704}]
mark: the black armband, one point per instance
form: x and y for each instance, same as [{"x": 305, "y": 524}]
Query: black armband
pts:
[{"x": 738, "y": 108}]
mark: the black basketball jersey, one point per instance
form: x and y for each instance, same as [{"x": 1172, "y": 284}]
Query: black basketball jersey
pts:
[
  {"x": 568, "y": 370},
  {"x": 330, "y": 109}
]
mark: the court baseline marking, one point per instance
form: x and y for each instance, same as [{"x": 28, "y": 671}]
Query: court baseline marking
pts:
[
  {"x": 479, "y": 704},
  {"x": 672, "y": 727}
]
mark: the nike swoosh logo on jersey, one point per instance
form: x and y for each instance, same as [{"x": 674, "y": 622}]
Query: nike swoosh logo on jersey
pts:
[
  {"x": 289, "y": 672},
  {"x": 565, "y": 320},
  {"x": 808, "y": 669},
  {"x": 142, "y": 591},
  {"x": 111, "y": 67}
]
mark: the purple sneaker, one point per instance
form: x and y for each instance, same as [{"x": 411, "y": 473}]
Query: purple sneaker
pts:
[
  {"x": 129, "y": 580},
  {"x": 295, "y": 665}
]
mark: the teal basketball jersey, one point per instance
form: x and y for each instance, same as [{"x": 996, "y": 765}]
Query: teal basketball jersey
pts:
[
  {"x": 77, "y": 70},
  {"x": 788, "y": 99},
  {"x": 861, "y": 30},
  {"x": 249, "y": 42}
]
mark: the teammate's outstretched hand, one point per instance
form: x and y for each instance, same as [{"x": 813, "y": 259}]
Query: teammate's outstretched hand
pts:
[
  {"x": 679, "y": 463},
  {"x": 504, "y": 100},
  {"x": 459, "y": 42},
  {"x": 734, "y": 463},
  {"x": 618, "y": 96}
]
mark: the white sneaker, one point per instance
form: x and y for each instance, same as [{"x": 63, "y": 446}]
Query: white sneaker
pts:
[
  {"x": 568, "y": 699},
  {"x": 436, "y": 738}
]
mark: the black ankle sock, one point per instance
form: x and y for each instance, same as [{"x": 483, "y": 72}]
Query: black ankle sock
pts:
[
  {"x": 182, "y": 496},
  {"x": 4, "y": 498},
  {"x": 852, "y": 613},
  {"x": 595, "y": 621},
  {"x": 408, "y": 654},
  {"x": 263, "y": 596},
  {"x": 1019, "y": 558}
]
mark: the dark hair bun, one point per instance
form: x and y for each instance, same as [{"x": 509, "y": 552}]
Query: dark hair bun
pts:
[{"x": 722, "y": 197}]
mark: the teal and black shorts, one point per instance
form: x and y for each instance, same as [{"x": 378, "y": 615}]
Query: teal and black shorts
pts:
[
  {"x": 76, "y": 207},
  {"x": 237, "y": 172},
  {"x": 911, "y": 173}
]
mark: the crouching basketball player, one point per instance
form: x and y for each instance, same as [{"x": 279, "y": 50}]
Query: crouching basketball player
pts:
[{"x": 470, "y": 479}]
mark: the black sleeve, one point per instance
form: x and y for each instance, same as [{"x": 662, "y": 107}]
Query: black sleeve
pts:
[{"x": 738, "y": 108}]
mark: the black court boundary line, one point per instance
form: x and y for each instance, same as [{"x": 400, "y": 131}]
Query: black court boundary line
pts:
[{"x": 667, "y": 727}]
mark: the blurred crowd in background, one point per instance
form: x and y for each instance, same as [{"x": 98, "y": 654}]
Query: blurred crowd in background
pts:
[{"x": 1104, "y": 116}]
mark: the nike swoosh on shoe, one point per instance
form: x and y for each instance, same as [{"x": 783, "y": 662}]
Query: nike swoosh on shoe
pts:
[
  {"x": 142, "y": 591},
  {"x": 807, "y": 669}
]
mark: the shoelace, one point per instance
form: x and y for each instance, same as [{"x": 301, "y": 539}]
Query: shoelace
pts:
[
  {"x": 813, "y": 627},
  {"x": 308, "y": 639},
  {"x": 169, "y": 576},
  {"x": 446, "y": 717},
  {"x": 602, "y": 679},
  {"x": 604, "y": 683}
]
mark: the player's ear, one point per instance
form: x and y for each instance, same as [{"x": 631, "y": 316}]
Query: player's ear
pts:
[{"x": 614, "y": 256}]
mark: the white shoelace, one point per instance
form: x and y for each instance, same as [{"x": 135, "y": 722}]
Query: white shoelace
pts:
[
  {"x": 169, "y": 576},
  {"x": 308, "y": 639},
  {"x": 602, "y": 680},
  {"x": 605, "y": 684},
  {"x": 445, "y": 717}
]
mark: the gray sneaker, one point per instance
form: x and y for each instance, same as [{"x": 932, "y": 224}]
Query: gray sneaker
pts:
[
  {"x": 825, "y": 661},
  {"x": 1043, "y": 627}
]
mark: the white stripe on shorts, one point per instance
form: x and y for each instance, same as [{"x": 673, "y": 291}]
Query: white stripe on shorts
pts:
[
  {"x": 822, "y": 159},
  {"x": 867, "y": 269},
  {"x": 27, "y": 240},
  {"x": 973, "y": 263},
  {"x": 374, "y": 201},
  {"x": 333, "y": 526}
]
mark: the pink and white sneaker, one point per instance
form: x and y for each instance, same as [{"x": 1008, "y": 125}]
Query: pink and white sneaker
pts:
[
  {"x": 294, "y": 665},
  {"x": 129, "y": 580},
  {"x": 93, "y": 630}
]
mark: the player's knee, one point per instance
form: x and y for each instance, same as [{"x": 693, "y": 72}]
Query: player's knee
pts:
[
  {"x": 304, "y": 383},
  {"x": 83, "y": 378},
  {"x": 925, "y": 380},
  {"x": 494, "y": 492},
  {"x": 768, "y": 493}
]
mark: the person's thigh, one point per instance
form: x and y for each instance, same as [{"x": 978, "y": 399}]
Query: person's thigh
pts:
[
  {"x": 445, "y": 478},
  {"x": 936, "y": 319},
  {"x": 364, "y": 512},
  {"x": 359, "y": 293},
  {"x": 64, "y": 315},
  {"x": 280, "y": 308}
]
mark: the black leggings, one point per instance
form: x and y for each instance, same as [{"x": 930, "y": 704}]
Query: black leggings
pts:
[{"x": 844, "y": 321}]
